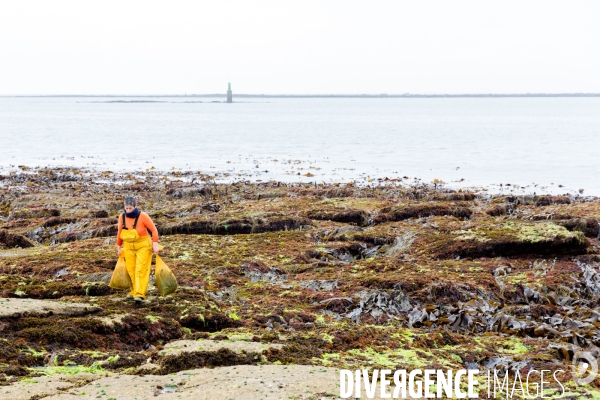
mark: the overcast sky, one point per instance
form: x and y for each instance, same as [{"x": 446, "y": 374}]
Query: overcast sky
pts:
[{"x": 177, "y": 47}]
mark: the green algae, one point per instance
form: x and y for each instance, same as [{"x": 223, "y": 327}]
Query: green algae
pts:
[
  {"x": 152, "y": 318},
  {"x": 406, "y": 336},
  {"x": 329, "y": 359},
  {"x": 95, "y": 368},
  {"x": 326, "y": 337},
  {"x": 457, "y": 358},
  {"x": 525, "y": 232},
  {"x": 233, "y": 315},
  {"x": 542, "y": 232},
  {"x": 514, "y": 345}
]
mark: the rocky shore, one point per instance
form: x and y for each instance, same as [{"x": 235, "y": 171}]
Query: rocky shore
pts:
[{"x": 282, "y": 284}]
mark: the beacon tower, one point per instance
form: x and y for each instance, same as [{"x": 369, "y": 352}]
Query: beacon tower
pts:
[{"x": 229, "y": 94}]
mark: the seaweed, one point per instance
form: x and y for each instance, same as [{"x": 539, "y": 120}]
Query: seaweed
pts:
[
  {"x": 8, "y": 239},
  {"x": 399, "y": 274},
  {"x": 211, "y": 322},
  {"x": 421, "y": 211},
  {"x": 34, "y": 212},
  {"x": 205, "y": 359},
  {"x": 358, "y": 217}
]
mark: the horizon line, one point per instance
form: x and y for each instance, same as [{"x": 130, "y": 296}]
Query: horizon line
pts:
[{"x": 332, "y": 95}]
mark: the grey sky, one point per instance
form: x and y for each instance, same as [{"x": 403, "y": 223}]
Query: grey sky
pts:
[{"x": 173, "y": 47}]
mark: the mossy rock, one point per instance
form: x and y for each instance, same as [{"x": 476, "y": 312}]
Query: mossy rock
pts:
[
  {"x": 358, "y": 217},
  {"x": 10, "y": 240},
  {"x": 510, "y": 239},
  {"x": 421, "y": 211},
  {"x": 28, "y": 213}
]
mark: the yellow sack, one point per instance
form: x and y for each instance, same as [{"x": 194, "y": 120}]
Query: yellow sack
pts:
[
  {"x": 120, "y": 278},
  {"x": 165, "y": 281}
]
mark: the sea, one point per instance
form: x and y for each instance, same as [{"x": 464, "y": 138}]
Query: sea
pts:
[{"x": 509, "y": 144}]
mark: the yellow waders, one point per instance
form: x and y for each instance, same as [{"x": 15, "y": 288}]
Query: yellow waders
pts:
[{"x": 138, "y": 260}]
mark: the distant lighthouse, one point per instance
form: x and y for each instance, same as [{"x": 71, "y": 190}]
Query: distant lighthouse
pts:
[{"x": 229, "y": 94}]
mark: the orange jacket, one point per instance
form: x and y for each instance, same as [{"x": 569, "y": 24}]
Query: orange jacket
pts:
[{"x": 144, "y": 223}]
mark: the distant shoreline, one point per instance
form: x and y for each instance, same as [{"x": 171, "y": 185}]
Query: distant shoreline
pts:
[{"x": 294, "y": 96}]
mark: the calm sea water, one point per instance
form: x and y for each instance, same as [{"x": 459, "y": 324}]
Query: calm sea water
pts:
[{"x": 463, "y": 141}]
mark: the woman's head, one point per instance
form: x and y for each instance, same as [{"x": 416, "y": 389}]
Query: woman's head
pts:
[{"x": 129, "y": 204}]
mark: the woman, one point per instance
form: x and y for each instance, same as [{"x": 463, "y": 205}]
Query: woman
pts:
[{"x": 137, "y": 246}]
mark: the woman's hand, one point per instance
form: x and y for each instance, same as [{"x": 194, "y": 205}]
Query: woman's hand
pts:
[
  {"x": 119, "y": 250},
  {"x": 155, "y": 248}
]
